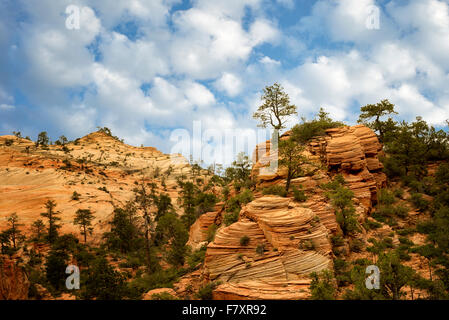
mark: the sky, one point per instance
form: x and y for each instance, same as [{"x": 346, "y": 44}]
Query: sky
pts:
[{"x": 146, "y": 68}]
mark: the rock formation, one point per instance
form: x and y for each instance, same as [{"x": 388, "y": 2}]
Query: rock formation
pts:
[{"x": 286, "y": 243}]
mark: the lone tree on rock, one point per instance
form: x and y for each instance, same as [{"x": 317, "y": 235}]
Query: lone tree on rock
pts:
[{"x": 276, "y": 107}]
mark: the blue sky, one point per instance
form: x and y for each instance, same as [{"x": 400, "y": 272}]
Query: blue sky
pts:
[{"x": 146, "y": 67}]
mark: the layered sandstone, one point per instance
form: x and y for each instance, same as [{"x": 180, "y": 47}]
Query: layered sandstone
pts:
[
  {"x": 286, "y": 243},
  {"x": 100, "y": 168}
]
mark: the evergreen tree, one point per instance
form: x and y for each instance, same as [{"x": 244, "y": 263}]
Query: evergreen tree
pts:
[
  {"x": 38, "y": 227},
  {"x": 83, "y": 218},
  {"x": 13, "y": 230},
  {"x": 291, "y": 157},
  {"x": 52, "y": 216},
  {"x": 276, "y": 107},
  {"x": 376, "y": 112}
]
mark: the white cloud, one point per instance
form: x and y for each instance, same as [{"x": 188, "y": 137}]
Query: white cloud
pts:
[
  {"x": 5, "y": 107},
  {"x": 229, "y": 83},
  {"x": 269, "y": 61}
]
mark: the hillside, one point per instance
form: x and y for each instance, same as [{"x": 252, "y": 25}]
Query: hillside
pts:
[{"x": 219, "y": 237}]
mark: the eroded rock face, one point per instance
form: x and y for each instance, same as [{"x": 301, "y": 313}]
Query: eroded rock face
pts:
[
  {"x": 14, "y": 283},
  {"x": 30, "y": 176},
  {"x": 351, "y": 151},
  {"x": 198, "y": 230},
  {"x": 263, "y": 290},
  {"x": 286, "y": 243},
  {"x": 294, "y": 235}
]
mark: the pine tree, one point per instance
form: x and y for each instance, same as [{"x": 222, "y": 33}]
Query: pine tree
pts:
[
  {"x": 13, "y": 230},
  {"x": 53, "y": 219},
  {"x": 377, "y": 111},
  {"x": 83, "y": 218},
  {"x": 276, "y": 107}
]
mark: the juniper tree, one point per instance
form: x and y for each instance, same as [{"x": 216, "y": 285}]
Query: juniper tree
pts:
[
  {"x": 276, "y": 107},
  {"x": 291, "y": 157},
  {"x": 376, "y": 112}
]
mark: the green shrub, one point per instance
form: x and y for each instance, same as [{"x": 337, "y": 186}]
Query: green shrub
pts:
[
  {"x": 75, "y": 196},
  {"x": 400, "y": 211},
  {"x": 163, "y": 296},
  {"x": 305, "y": 131},
  {"x": 260, "y": 249},
  {"x": 244, "y": 241},
  {"x": 211, "y": 231},
  {"x": 398, "y": 193},
  {"x": 370, "y": 224},
  {"x": 419, "y": 202},
  {"x": 205, "y": 292},
  {"x": 197, "y": 257},
  {"x": 231, "y": 218},
  {"x": 276, "y": 190},
  {"x": 299, "y": 195},
  {"x": 321, "y": 286},
  {"x": 356, "y": 245},
  {"x": 337, "y": 240},
  {"x": 386, "y": 197}
]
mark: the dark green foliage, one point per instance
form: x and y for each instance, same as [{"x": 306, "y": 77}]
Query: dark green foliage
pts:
[
  {"x": 75, "y": 196},
  {"x": 276, "y": 107},
  {"x": 239, "y": 173},
  {"x": 341, "y": 198},
  {"x": 322, "y": 286},
  {"x": 299, "y": 195},
  {"x": 357, "y": 245},
  {"x": 194, "y": 202},
  {"x": 103, "y": 282},
  {"x": 370, "y": 224},
  {"x": 147, "y": 282},
  {"x": 163, "y": 296},
  {"x": 211, "y": 231},
  {"x": 419, "y": 202},
  {"x": 124, "y": 235},
  {"x": 197, "y": 257},
  {"x": 244, "y": 241},
  {"x": 170, "y": 229},
  {"x": 205, "y": 292},
  {"x": 42, "y": 139},
  {"x": 337, "y": 240},
  {"x": 291, "y": 157},
  {"x": 83, "y": 218},
  {"x": 305, "y": 131},
  {"x": 411, "y": 146},
  {"x": 163, "y": 204},
  {"x": 234, "y": 205},
  {"x": 260, "y": 249},
  {"x": 386, "y": 197},
  {"x": 230, "y": 218},
  {"x": 52, "y": 216},
  {"x": 376, "y": 112},
  {"x": 55, "y": 267},
  {"x": 276, "y": 190}
]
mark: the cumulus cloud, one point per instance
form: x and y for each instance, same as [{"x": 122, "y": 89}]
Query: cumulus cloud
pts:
[{"x": 143, "y": 69}]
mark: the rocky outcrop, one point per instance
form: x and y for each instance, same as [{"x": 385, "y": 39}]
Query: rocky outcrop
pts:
[
  {"x": 263, "y": 290},
  {"x": 286, "y": 243},
  {"x": 14, "y": 283},
  {"x": 199, "y": 230},
  {"x": 351, "y": 151}
]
